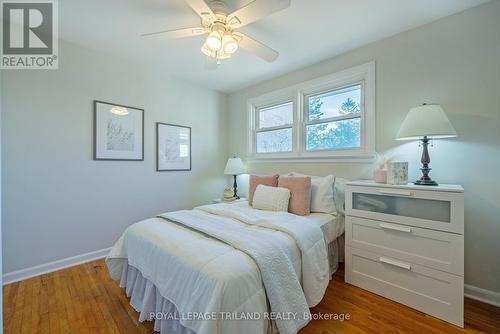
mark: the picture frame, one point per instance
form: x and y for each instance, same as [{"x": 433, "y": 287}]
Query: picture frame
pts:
[
  {"x": 118, "y": 132},
  {"x": 173, "y": 147}
]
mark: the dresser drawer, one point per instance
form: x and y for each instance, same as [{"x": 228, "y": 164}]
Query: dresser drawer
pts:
[
  {"x": 430, "y": 209},
  {"x": 434, "y": 249},
  {"x": 431, "y": 291}
]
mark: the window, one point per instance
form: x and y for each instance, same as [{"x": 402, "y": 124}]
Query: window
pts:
[
  {"x": 329, "y": 117},
  {"x": 274, "y": 128},
  {"x": 334, "y": 119}
]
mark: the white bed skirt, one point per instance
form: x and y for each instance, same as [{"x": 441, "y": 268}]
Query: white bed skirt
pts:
[
  {"x": 146, "y": 299},
  {"x": 335, "y": 254}
]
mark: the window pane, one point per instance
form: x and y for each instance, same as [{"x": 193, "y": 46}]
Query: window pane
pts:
[
  {"x": 334, "y": 135},
  {"x": 274, "y": 141},
  {"x": 281, "y": 114},
  {"x": 334, "y": 103}
]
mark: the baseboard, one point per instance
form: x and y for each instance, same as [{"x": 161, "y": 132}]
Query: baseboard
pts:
[
  {"x": 26, "y": 273},
  {"x": 483, "y": 295}
]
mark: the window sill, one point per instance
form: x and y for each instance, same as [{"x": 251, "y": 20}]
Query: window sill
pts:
[{"x": 358, "y": 158}]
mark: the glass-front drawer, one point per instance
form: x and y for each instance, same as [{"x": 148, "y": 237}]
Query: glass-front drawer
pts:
[
  {"x": 403, "y": 206},
  {"x": 433, "y": 209}
]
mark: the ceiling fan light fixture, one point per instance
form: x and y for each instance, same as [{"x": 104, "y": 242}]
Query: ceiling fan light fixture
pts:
[
  {"x": 222, "y": 55},
  {"x": 222, "y": 27},
  {"x": 214, "y": 41},
  {"x": 229, "y": 44},
  {"x": 207, "y": 51}
]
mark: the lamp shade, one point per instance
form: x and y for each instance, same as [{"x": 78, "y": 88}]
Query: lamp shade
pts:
[
  {"x": 234, "y": 166},
  {"x": 427, "y": 120}
]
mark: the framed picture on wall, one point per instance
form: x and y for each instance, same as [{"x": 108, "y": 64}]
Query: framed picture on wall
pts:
[
  {"x": 173, "y": 147},
  {"x": 118, "y": 132}
]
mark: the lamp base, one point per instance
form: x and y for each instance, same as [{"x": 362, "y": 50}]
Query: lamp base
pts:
[
  {"x": 235, "y": 187},
  {"x": 428, "y": 182},
  {"x": 425, "y": 180}
]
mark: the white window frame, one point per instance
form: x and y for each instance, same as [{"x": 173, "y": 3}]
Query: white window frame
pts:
[
  {"x": 363, "y": 74},
  {"x": 258, "y": 129},
  {"x": 265, "y": 101}
]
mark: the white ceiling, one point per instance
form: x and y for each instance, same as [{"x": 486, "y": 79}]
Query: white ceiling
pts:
[{"x": 307, "y": 32}]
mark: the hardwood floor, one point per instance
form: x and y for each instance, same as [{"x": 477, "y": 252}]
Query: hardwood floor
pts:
[{"x": 83, "y": 299}]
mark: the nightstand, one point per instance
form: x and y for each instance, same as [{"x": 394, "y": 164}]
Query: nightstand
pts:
[
  {"x": 406, "y": 243},
  {"x": 220, "y": 200}
]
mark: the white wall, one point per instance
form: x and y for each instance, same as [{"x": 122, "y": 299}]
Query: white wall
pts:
[
  {"x": 57, "y": 201},
  {"x": 455, "y": 62}
]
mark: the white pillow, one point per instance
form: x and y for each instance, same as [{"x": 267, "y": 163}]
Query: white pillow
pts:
[
  {"x": 321, "y": 193},
  {"x": 339, "y": 194},
  {"x": 271, "y": 198}
]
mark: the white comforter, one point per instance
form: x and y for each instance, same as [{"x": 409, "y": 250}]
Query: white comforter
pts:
[{"x": 201, "y": 275}]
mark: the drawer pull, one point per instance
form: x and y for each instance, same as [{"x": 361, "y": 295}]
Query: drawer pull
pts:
[
  {"x": 395, "y": 228},
  {"x": 396, "y": 192},
  {"x": 395, "y": 263}
]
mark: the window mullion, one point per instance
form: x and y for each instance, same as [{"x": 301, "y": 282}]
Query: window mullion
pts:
[
  {"x": 273, "y": 128},
  {"x": 298, "y": 123},
  {"x": 333, "y": 119}
]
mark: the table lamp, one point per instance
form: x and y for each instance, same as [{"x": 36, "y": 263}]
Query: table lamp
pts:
[
  {"x": 234, "y": 167},
  {"x": 424, "y": 123}
]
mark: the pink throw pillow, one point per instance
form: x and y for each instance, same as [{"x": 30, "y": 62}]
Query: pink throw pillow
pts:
[
  {"x": 300, "y": 193},
  {"x": 255, "y": 180}
]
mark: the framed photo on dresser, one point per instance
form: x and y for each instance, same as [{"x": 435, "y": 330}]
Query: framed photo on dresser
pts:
[
  {"x": 118, "y": 132},
  {"x": 173, "y": 147}
]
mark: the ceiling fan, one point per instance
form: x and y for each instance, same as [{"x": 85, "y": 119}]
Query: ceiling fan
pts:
[{"x": 223, "y": 38}]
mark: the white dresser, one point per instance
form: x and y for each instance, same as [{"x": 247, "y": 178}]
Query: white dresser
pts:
[{"x": 406, "y": 243}]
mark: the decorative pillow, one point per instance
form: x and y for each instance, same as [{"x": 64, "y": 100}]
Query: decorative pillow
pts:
[
  {"x": 255, "y": 180},
  {"x": 322, "y": 199},
  {"x": 300, "y": 197},
  {"x": 271, "y": 198},
  {"x": 339, "y": 195}
]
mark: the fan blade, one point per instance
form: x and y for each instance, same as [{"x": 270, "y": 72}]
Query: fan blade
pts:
[
  {"x": 211, "y": 63},
  {"x": 177, "y": 33},
  {"x": 201, "y": 8},
  {"x": 256, "y": 47},
  {"x": 256, "y": 10}
]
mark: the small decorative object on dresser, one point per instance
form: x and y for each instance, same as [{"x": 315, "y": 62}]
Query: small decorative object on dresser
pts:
[
  {"x": 406, "y": 243},
  {"x": 234, "y": 167},
  {"x": 397, "y": 172},
  {"x": 380, "y": 174},
  {"x": 425, "y": 123},
  {"x": 118, "y": 132},
  {"x": 173, "y": 147}
]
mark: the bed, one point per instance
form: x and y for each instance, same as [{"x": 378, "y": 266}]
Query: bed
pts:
[{"x": 205, "y": 271}]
